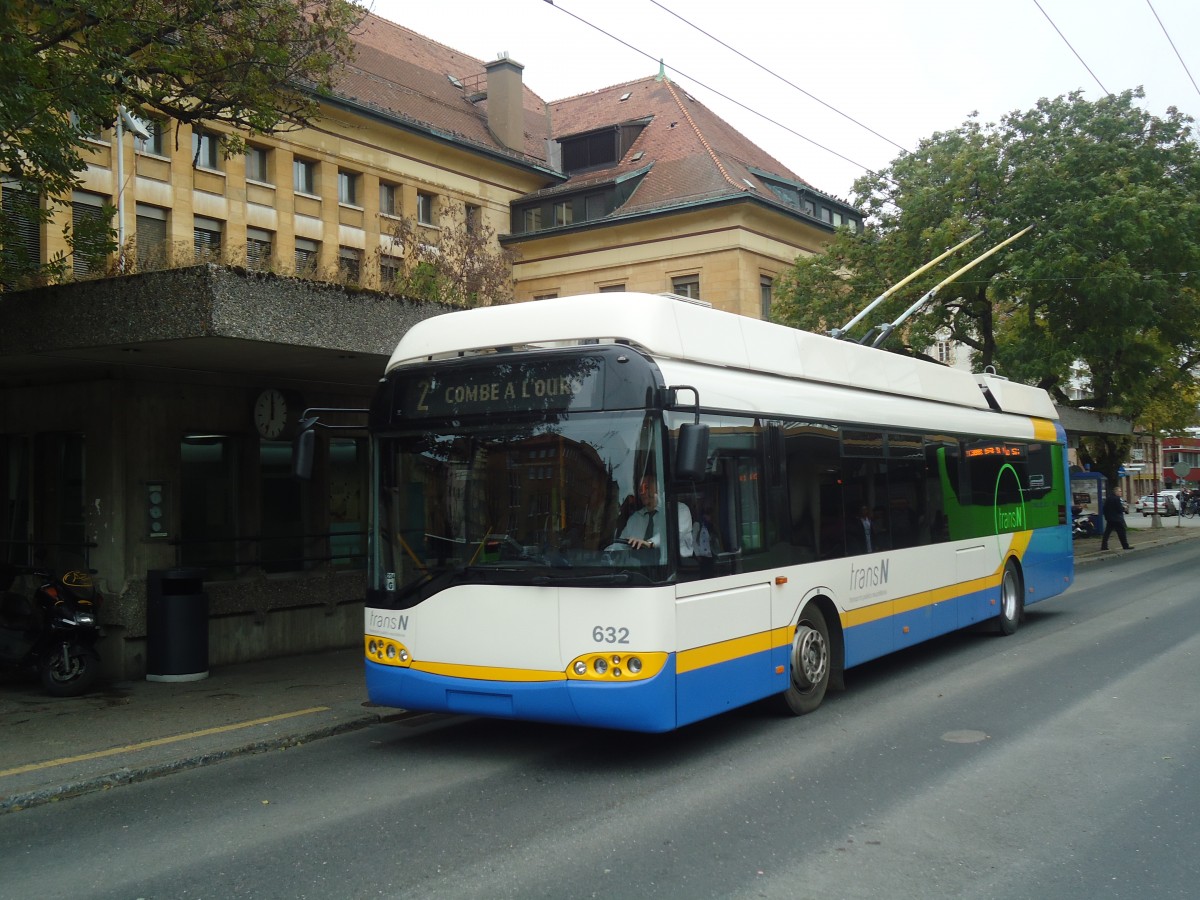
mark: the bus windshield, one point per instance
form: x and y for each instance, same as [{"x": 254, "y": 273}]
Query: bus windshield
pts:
[{"x": 536, "y": 501}]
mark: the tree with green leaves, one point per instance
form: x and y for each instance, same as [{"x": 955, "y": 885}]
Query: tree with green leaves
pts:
[
  {"x": 1105, "y": 287},
  {"x": 257, "y": 66},
  {"x": 458, "y": 264}
]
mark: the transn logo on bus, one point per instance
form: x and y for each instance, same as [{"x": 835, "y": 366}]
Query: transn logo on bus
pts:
[{"x": 377, "y": 621}]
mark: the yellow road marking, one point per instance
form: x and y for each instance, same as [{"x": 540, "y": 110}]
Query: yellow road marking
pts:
[{"x": 158, "y": 742}]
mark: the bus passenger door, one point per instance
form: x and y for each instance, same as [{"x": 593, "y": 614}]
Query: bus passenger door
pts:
[{"x": 724, "y": 648}]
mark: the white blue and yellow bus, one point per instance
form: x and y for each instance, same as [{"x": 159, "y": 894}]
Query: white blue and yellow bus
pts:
[{"x": 820, "y": 504}]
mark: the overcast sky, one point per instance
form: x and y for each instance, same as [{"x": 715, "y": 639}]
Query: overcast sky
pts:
[{"x": 904, "y": 69}]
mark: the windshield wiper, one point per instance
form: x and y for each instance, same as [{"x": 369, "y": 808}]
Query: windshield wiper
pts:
[{"x": 605, "y": 578}]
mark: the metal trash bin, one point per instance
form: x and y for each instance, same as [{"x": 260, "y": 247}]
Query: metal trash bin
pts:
[{"x": 176, "y": 625}]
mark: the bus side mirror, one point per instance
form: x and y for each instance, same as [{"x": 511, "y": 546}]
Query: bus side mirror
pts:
[
  {"x": 691, "y": 452},
  {"x": 303, "y": 449}
]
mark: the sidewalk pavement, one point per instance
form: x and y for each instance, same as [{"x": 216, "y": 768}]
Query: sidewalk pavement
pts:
[
  {"x": 1140, "y": 534},
  {"x": 134, "y": 730}
]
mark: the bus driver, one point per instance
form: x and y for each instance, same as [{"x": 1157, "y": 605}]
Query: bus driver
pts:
[{"x": 644, "y": 527}]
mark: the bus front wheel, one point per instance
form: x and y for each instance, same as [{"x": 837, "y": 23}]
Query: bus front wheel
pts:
[
  {"x": 809, "y": 664},
  {"x": 1012, "y": 600}
]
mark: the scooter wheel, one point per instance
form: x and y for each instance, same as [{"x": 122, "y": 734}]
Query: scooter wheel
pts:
[{"x": 71, "y": 676}]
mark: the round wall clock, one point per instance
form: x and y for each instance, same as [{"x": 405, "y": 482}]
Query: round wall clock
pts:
[{"x": 271, "y": 411}]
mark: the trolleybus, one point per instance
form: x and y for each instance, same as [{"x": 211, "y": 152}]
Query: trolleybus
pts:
[{"x": 817, "y": 504}]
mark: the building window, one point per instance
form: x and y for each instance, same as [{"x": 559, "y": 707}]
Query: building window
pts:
[
  {"x": 686, "y": 286},
  {"x": 206, "y": 151},
  {"x": 208, "y": 503},
  {"x": 348, "y": 479},
  {"x": 387, "y": 199},
  {"x": 23, "y": 254},
  {"x": 283, "y": 510},
  {"x": 304, "y": 176},
  {"x": 826, "y": 214},
  {"x": 531, "y": 219},
  {"x": 152, "y": 252},
  {"x": 591, "y": 151},
  {"x": 544, "y": 296},
  {"x": 347, "y": 187},
  {"x": 89, "y": 223},
  {"x": 350, "y": 264},
  {"x": 153, "y": 142},
  {"x": 472, "y": 218},
  {"x": 257, "y": 164},
  {"x": 258, "y": 249},
  {"x": 945, "y": 352},
  {"x": 564, "y": 213},
  {"x": 424, "y": 208},
  {"x": 389, "y": 272},
  {"x": 90, "y": 131},
  {"x": 206, "y": 239},
  {"x": 306, "y": 257},
  {"x": 595, "y": 207},
  {"x": 764, "y": 296},
  {"x": 612, "y": 289}
]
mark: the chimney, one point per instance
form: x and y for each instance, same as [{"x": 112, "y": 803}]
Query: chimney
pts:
[{"x": 506, "y": 106}]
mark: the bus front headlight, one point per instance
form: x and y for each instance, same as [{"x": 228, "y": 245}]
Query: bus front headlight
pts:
[{"x": 616, "y": 667}]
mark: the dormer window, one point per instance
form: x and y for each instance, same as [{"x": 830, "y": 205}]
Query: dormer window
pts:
[
  {"x": 590, "y": 151},
  {"x": 599, "y": 149}
]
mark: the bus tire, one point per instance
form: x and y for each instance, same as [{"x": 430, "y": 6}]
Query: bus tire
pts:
[
  {"x": 1012, "y": 600},
  {"x": 809, "y": 663}
]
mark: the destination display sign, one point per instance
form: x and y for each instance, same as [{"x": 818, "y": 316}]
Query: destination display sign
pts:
[
  {"x": 504, "y": 387},
  {"x": 994, "y": 451}
]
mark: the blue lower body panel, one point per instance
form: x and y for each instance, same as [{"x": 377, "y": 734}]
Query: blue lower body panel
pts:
[
  {"x": 1048, "y": 564},
  {"x": 647, "y": 705},
  {"x": 719, "y": 688}
]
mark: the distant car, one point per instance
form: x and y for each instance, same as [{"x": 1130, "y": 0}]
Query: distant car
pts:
[{"x": 1166, "y": 502}]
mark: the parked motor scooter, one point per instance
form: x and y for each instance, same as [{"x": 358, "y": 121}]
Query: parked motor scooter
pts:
[
  {"x": 53, "y": 632},
  {"x": 1083, "y": 525}
]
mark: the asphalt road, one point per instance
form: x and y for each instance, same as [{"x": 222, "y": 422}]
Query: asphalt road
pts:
[{"x": 1059, "y": 762}]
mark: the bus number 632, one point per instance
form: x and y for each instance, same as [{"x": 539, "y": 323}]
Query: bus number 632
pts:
[{"x": 610, "y": 635}]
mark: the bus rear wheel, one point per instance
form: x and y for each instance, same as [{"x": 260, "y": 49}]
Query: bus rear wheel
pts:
[
  {"x": 808, "y": 664},
  {"x": 1012, "y": 600}
]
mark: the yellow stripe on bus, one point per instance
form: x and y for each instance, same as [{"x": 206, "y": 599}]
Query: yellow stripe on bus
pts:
[
  {"x": 725, "y": 651},
  {"x": 722, "y": 651},
  {"x": 487, "y": 673},
  {"x": 1044, "y": 430}
]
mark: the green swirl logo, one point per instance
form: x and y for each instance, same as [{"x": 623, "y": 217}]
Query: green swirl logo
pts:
[{"x": 1009, "y": 516}]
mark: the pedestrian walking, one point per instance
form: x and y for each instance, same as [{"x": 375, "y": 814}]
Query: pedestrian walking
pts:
[{"x": 1114, "y": 520}]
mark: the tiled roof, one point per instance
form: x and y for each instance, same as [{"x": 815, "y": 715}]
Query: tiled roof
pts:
[
  {"x": 691, "y": 155},
  {"x": 406, "y": 74},
  {"x": 694, "y": 155}
]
